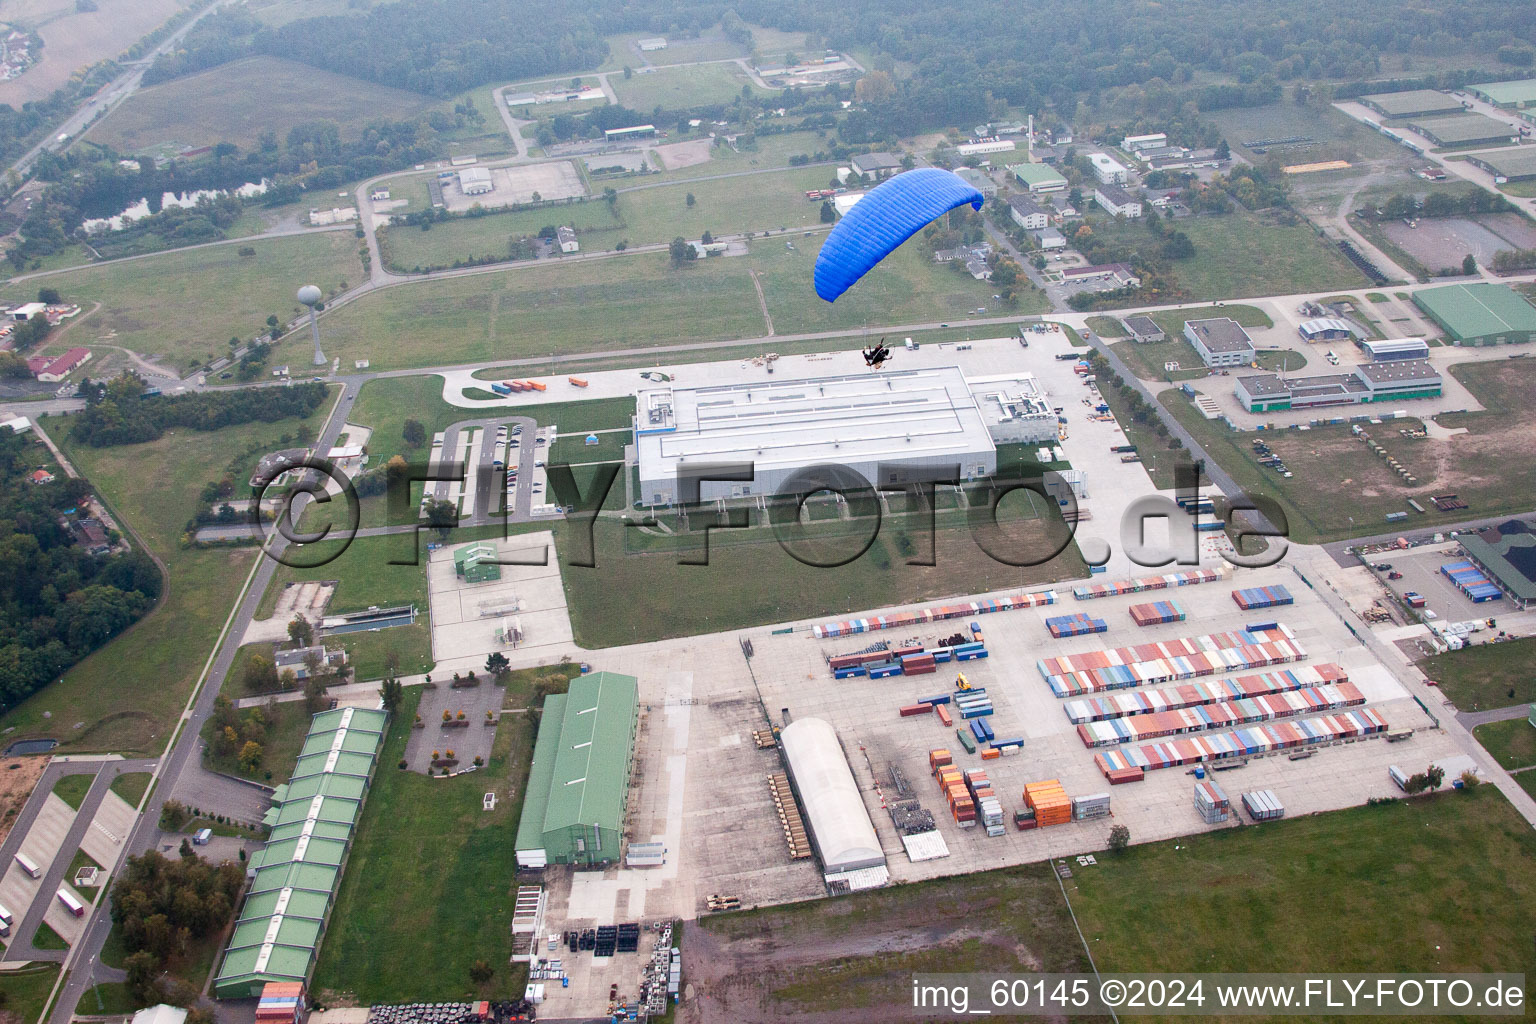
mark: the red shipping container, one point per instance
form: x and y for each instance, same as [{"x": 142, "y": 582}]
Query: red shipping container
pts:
[{"x": 915, "y": 709}]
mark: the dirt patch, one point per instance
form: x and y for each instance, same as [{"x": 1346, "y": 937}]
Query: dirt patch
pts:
[
  {"x": 685, "y": 154},
  {"x": 18, "y": 777}
]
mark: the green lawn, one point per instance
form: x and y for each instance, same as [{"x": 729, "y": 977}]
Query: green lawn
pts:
[
  {"x": 46, "y": 938},
  {"x": 1433, "y": 884},
  {"x": 1107, "y": 327},
  {"x": 1285, "y": 359},
  {"x": 680, "y": 88},
  {"x": 109, "y": 997},
  {"x": 466, "y": 239},
  {"x": 1512, "y": 743},
  {"x": 26, "y": 990},
  {"x": 238, "y": 101},
  {"x": 1482, "y": 676},
  {"x": 1243, "y": 254},
  {"x": 427, "y": 863},
  {"x": 287, "y": 726},
  {"x": 131, "y": 787},
  {"x": 154, "y": 487},
  {"x": 72, "y": 789},
  {"x": 626, "y": 301},
  {"x": 1146, "y": 359},
  {"x": 84, "y": 860},
  {"x": 163, "y": 305}
]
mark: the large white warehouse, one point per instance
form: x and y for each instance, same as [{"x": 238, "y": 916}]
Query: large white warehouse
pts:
[
  {"x": 840, "y": 826},
  {"x": 887, "y": 427}
]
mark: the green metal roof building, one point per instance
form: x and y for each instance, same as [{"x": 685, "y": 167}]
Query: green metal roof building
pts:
[
  {"x": 573, "y": 809},
  {"x": 295, "y": 877},
  {"x": 1479, "y": 314},
  {"x": 1412, "y": 103},
  {"x": 1038, "y": 177},
  {"x": 477, "y": 563},
  {"x": 1506, "y": 94}
]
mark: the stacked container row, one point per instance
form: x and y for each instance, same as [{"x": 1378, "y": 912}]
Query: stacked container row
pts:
[
  {"x": 952, "y": 784},
  {"x": 1203, "y": 691},
  {"x": 1076, "y": 624},
  {"x": 1263, "y": 805},
  {"x": 1050, "y": 802},
  {"x": 1259, "y": 739},
  {"x": 1173, "y": 579},
  {"x": 1211, "y": 801},
  {"x": 989, "y": 808},
  {"x": 982, "y": 731},
  {"x": 1157, "y": 612},
  {"x": 1262, "y": 597},
  {"x": 973, "y": 703},
  {"x": 938, "y": 613},
  {"x": 1204, "y": 717},
  {"x": 1074, "y": 675},
  {"x": 1094, "y": 805},
  {"x": 1471, "y": 581}
]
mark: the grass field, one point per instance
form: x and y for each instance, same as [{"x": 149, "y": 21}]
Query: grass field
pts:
[
  {"x": 1512, "y": 743},
  {"x": 154, "y": 487},
  {"x": 710, "y": 44},
  {"x": 131, "y": 786},
  {"x": 109, "y": 997},
  {"x": 626, "y": 301},
  {"x": 1146, "y": 359},
  {"x": 161, "y": 305},
  {"x": 1430, "y": 884},
  {"x": 238, "y": 101},
  {"x": 1107, "y": 327},
  {"x": 72, "y": 789},
  {"x": 1286, "y": 359},
  {"x": 1483, "y": 675},
  {"x": 83, "y": 860},
  {"x": 770, "y": 201},
  {"x": 427, "y": 861},
  {"x": 26, "y": 990},
  {"x": 46, "y": 938},
  {"x": 681, "y": 88}
]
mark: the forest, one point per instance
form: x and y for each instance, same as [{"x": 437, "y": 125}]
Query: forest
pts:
[
  {"x": 118, "y": 412},
  {"x": 57, "y": 602}
]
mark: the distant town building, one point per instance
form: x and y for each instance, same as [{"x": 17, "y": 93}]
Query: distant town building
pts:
[
  {"x": 41, "y": 476},
  {"x": 876, "y": 165},
  {"x": 1028, "y": 214},
  {"x": 52, "y": 369},
  {"x": 1144, "y": 329},
  {"x": 1134, "y": 144},
  {"x": 298, "y": 659},
  {"x": 634, "y": 131},
  {"x": 652, "y": 44},
  {"x": 1368, "y": 382},
  {"x": 1220, "y": 341},
  {"x": 1120, "y": 275},
  {"x": 337, "y": 215},
  {"x": 1117, "y": 202},
  {"x": 1038, "y": 177},
  {"x": 978, "y": 179},
  {"x": 475, "y": 181},
  {"x": 1108, "y": 170},
  {"x": 1395, "y": 349},
  {"x": 565, "y": 237},
  {"x": 1479, "y": 314},
  {"x": 1049, "y": 239},
  {"x": 984, "y": 147},
  {"x": 1327, "y": 328}
]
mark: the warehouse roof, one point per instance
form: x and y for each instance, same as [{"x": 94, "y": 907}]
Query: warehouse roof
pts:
[
  {"x": 1220, "y": 334},
  {"x": 1142, "y": 325},
  {"x": 1326, "y": 323},
  {"x": 1460, "y": 128},
  {"x": 782, "y": 424},
  {"x": 1398, "y": 370},
  {"x": 1024, "y": 206},
  {"x": 581, "y": 759},
  {"x": 1395, "y": 345},
  {"x": 1263, "y": 385},
  {"x": 1514, "y": 162},
  {"x": 1474, "y": 310},
  {"x": 294, "y": 877},
  {"x": 1502, "y": 93},
  {"x": 1509, "y": 552},
  {"x": 840, "y": 826},
  {"x": 1412, "y": 101},
  {"x": 1036, "y": 174}
]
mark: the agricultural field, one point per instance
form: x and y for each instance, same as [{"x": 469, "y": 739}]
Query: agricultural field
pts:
[
  {"x": 154, "y": 488},
  {"x": 428, "y": 861},
  {"x": 711, "y": 44},
  {"x": 276, "y": 13},
  {"x": 681, "y": 88},
  {"x": 1146, "y": 359},
  {"x": 160, "y": 307},
  {"x": 623, "y": 302},
  {"x": 73, "y": 38},
  {"x": 1335, "y": 136},
  {"x": 238, "y": 101},
  {"x": 1483, "y": 675}
]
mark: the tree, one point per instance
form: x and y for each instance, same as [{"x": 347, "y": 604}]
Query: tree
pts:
[
  {"x": 314, "y": 692},
  {"x": 611, "y": 197},
  {"x": 260, "y": 673},
  {"x": 481, "y": 972},
  {"x": 1223, "y": 151},
  {"x": 680, "y": 251},
  {"x": 1469, "y": 264},
  {"x": 250, "y": 755},
  {"x": 273, "y": 322},
  {"x": 185, "y": 850},
  {"x": 707, "y": 239},
  {"x": 1119, "y": 838},
  {"x": 1434, "y": 775},
  {"x": 442, "y": 516},
  {"x": 288, "y": 679},
  {"x": 300, "y": 632},
  {"x": 49, "y": 296},
  {"x": 497, "y": 665},
  {"x": 173, "y": 815},
  {"x": 689, "y": 200},
  {"x": 141, "y": 968},
  {"x": 875, "y": 88},
  {"x": 828, "y": 211},
  {"x": 414, "y": 434},
  {"x": 391, "y": 692}
]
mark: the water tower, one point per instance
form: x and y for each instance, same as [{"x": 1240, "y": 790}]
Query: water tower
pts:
[{"x": 310, "y": 296}]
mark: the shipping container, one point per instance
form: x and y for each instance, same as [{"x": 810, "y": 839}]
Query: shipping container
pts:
[
  {"x": 576, "y": 381},
  {"x": 944, "y": 716},
  {"x": 912, "y": 710},
  {"x": 28, "y": 865},
  {"x": 6, "y": 916},
  {"x": 71, "y": 904},
  {"x": 964, "y": 736},
  {"x": 1219, "y": 750},
  {"x": 1263, "y": 805}
]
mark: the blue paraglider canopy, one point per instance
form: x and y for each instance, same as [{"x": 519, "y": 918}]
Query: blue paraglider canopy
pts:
[{"x": 888, "y": 215}]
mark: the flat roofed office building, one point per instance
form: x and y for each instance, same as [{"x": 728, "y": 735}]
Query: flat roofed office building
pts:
[{"x": 909, "y": 421}]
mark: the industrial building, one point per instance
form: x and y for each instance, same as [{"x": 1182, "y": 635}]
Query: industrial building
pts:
[
  {"x": 295, "y": 876},
  {"x": 1118, "y": 275},
  {"x": 986, "y": 147},
  {"x": 1412, "y": 103},
  {"x": 1134, "y": 144},
  {"x": 565, "y": 237},
  {"x": 1143, "y": 329},
  {"x": 1108, "y": 170},
  {"x": 876, "y": 165},
  {"x": 1015, "y": 409},
  {"x": 1509, "y": 95},
  {"x": 1518, "y": 164},
  {"x": 634, "y": 131},
  {"x": 1027, "y": 213},
  {"x": 1327, "y": 328},
  {"x": 477, "y": 563},
  {"x": 1465, "y": 130},
  {"x": 1507, "y": 556},
  {"x": 1049, "y": 238},
  {"x": 1479, "y": 314},
  {"x": 1369, "y": 382},
  {"x": 1220, "y": 341},
  {"x": 841, "y": 831},
  {"x": 979, "y": 180},
  {"x": 298, "y": 659},
  {"x": 475, "y": 181},
  {"x": 52, "y": 369},
  {"x": 573, "y": 806},
  {"x": 1397, "y": 348},
  {"x": 1038, "y": 177},
  {"x": 890, "y": 428},
  {"x": 1117, "y": 202},
  {"x": 652, "y": 44}
]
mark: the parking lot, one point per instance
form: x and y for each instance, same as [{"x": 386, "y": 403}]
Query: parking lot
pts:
[{"x": 1420, "y": 567}]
